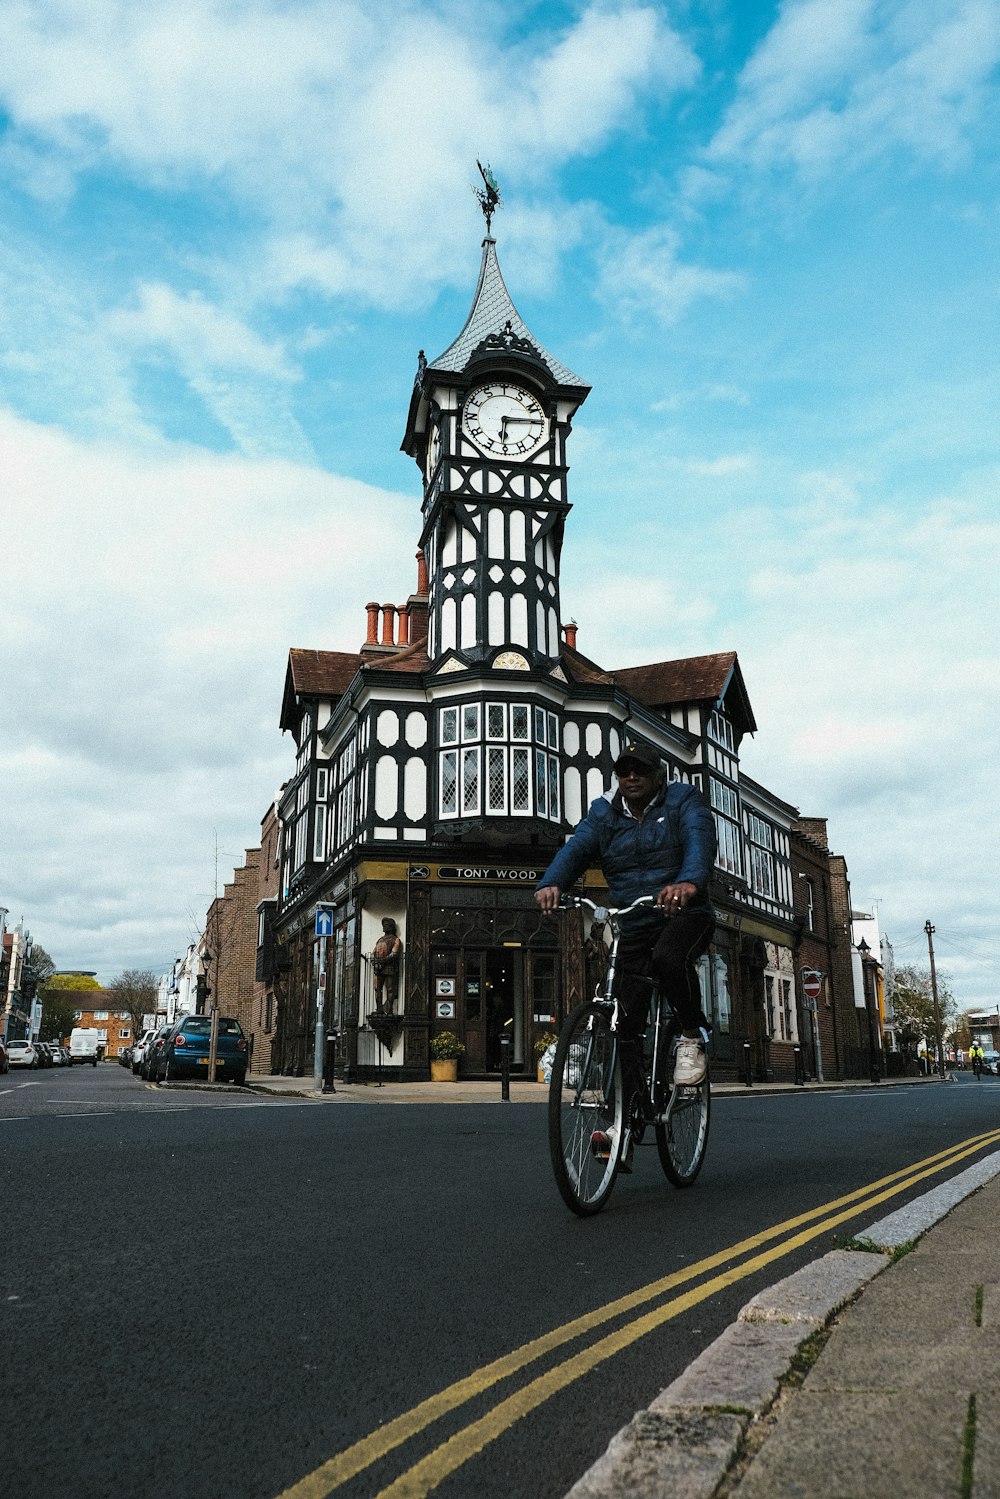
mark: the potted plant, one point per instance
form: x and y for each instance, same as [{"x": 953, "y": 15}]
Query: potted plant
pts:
[
  {"x": 546, "y": 1039},
  {"x": 446, "y": 1049}
]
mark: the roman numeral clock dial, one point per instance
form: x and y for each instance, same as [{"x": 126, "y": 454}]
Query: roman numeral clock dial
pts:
[{"x": 504, "y": 418}]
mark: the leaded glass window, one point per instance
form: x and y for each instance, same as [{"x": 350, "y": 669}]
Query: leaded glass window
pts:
[
  {"x": 541, "y": 785},
  {"x": 496, "y": 783},
  {"x": 470, "y": 722},
  {"x": 520, "y": 781},
  {"x": 495, "y": 721},
  {"x": 470, "y": 782},
  {"x": 449, "y": 783},
  {"x": 449, "y": 725},
  {"x": 519, "y": 721}
]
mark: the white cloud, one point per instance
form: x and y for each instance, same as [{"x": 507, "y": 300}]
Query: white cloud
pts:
[
  {"x": 837, "y": 82},
  {"x": 336, "y": 126},
  {"x": 642, "y": 276},
  {"x": 242, "y": 379},
  {"x": 868, "y": 638},
  {"x": 147, "y": 618}
]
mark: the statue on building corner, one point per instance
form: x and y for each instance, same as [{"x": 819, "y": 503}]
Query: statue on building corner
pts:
[{"x": 385, "y": 967}]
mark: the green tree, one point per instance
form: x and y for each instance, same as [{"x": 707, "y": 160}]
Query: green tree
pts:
[
  {"x": 913, "y": 1003},
  {"x": 59, "y": 1010},
  {"x": 134, "y": 992},
  {"x": 62, "y": 981}
]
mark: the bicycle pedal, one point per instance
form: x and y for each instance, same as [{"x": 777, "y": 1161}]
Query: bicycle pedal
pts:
[{"x": 600, "y": 1145}]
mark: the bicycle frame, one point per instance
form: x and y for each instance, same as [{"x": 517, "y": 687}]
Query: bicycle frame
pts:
[{"x": 661, "y": 1107}]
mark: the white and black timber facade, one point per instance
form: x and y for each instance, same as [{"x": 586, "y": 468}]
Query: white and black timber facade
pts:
[{"x": 441, "y": 763}]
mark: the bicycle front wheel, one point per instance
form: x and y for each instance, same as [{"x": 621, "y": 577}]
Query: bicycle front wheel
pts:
[
  {"x": 586, "y": 1113},
  {"x": 682, "y": 1139}
]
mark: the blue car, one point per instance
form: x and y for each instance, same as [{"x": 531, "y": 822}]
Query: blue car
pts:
[{"x": 186, "y": 1047}]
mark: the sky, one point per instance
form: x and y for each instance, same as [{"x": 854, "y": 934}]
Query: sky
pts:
[{"x": 765, "y": 234}]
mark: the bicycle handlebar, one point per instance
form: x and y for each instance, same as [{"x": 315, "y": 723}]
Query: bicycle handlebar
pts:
[{"x": 603, "y": 913}]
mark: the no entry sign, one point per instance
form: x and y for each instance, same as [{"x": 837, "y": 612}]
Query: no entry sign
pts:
[{"x": 812, "y": 983}]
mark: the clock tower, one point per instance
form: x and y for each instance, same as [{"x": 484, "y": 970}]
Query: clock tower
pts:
[{"x": 488, "y": 425}]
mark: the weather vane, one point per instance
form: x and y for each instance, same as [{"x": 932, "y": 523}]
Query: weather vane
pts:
[{"x": 489, "y": 200}]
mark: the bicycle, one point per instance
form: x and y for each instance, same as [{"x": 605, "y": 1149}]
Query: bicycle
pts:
[{"x": 588, "y": 1130}]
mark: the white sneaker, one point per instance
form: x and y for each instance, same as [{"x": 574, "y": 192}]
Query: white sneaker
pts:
[{"x": 689, "y": 1065}]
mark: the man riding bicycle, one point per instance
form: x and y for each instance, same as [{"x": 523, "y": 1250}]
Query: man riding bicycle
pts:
[
  {"x": 657, "y": 838},
  {"x": 976, "y": 1057}
]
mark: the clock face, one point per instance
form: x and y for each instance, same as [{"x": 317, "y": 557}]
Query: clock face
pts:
[
  {"x": 504, "y": 418},
  {"x": 433, "y": 449}
]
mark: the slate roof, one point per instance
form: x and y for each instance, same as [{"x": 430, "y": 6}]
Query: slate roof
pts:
[
  {"x": 693, "y": 679},
  {"x": 492, "y": 310},
  {"x": 322, "y": 673},
  {"x": 316, "y": 674}
]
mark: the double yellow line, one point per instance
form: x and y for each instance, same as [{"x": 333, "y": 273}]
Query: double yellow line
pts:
[{"x": 425, "y": 1475}]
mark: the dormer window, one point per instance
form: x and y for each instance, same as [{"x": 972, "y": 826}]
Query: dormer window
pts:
[{"x": 721, "y": 730}]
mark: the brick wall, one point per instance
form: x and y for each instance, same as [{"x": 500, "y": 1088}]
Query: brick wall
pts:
[
  {"x": 231, "y": 938},
  {"x": 101, "y": 1017}
]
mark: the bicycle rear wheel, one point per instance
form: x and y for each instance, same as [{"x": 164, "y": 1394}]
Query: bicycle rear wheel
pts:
[
  {"x": 682, "y": 1140},
  {"x": 586, "y": 1123}
]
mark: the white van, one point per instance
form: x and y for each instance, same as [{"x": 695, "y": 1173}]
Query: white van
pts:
[{"x": 83, "y": 1045}]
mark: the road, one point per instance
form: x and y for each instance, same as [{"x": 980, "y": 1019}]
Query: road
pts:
[{"x": 218, "y": 1293}]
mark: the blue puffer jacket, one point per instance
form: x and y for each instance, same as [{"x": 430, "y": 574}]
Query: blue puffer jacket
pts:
[{"x": 675, "y": 841}]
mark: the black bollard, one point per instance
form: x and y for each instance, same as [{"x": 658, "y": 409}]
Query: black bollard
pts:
[
  {"x": 800, "y": 1071},
  {"x": 505, "y": 1069},
  {"x": 747, "y": 1068},
  {"x": 329, "y": 1062}
]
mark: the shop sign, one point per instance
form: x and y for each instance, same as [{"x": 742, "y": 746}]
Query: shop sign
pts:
[
  {"x": 444, "y": 986},
  {"x": 488, "y": 873},
  {"x": 444, "y": 1009}
]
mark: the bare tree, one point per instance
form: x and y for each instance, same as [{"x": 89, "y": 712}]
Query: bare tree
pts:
[
  {"x": 133, "y": 993},
  {"x": 913, "y": 1004}
]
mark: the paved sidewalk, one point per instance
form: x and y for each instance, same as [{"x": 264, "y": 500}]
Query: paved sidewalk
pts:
[
  {"x": 819, "y": 1392},
  {"x": 521, "y": 1090}
]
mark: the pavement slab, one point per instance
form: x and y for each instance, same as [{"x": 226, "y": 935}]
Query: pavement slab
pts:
[{"x": 884, "y": 1412}]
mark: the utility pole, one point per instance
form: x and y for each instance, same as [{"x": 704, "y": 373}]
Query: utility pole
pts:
[{"x": 934, "y": 995}]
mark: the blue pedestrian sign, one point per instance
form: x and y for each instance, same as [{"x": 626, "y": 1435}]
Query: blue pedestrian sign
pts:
[{"x": 324, "y": 921}]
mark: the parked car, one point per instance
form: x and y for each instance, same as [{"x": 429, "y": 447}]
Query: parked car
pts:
[
  {"x": 125, "y": 1057},
  {"x": 45, "y": 1058},
  {"x": 140, "y": 1048},
  {"x": 991, "y": 1061},
  {"x": 4, "y": 1064},
  {"x": 60, "y": 1056},
  {"x": 22, "y": 1054},
  {"x": 186, "y": 1046},
  {"x": 151, "y": 1059}
]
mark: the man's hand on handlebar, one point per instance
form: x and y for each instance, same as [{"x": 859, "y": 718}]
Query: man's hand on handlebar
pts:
[
  {"x": 548, "y": 898},
  {"x": 673, "y": 898}
]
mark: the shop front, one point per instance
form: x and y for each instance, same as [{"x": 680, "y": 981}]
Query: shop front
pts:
[{"x": 494, "y": 972}]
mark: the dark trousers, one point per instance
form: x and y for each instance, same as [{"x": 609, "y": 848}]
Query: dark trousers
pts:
[{"x": 665, "y": 953}]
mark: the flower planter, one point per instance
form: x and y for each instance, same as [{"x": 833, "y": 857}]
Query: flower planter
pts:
[{"x": 444, "y": 1070}]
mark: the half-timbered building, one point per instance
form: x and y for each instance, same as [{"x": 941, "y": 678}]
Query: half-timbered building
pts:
[{"x": 441, "y": 762}]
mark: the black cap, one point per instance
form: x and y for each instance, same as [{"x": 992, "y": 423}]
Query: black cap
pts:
[{"x": 636, "y": 753}]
